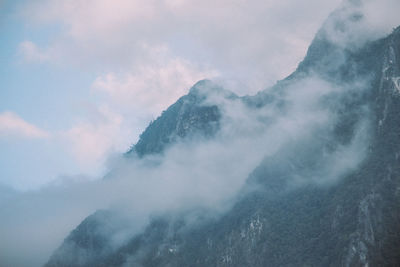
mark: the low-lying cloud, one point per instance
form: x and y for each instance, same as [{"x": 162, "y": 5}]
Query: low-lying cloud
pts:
[
  {"x": 193, "y": 173},
  {"x": 357, "y": 22}
]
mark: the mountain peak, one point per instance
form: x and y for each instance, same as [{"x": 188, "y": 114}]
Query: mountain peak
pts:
[
  {"x": 204, "y": 87},
  {"x": 207, "y": 88}
]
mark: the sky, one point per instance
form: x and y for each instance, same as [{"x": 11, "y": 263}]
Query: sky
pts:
[{"x": 80, "y": 80}]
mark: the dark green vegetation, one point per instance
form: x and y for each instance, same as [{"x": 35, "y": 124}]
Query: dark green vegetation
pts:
[{"x": 352, "y": 221}]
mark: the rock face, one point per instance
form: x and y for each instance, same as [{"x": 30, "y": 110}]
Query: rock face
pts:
[{"x": 355, "y": 221}]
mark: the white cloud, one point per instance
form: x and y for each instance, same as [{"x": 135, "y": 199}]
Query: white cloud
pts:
[
  {"x": 31, "y": 53},
  {"x": 252, "y": 42},
  {"x": 150, "y": 88},
  {"x": 13, "y": 125},
  {"x": 359, "y": 21},
  {"x": 92, "y": 140},
  {"x": 243, "y": 40}
]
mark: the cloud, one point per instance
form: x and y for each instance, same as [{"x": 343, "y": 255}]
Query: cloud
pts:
[
  {"x": 91, "y": 141},
  {"x": 126, "y": 102},
  {"x": 152, "y": 86},
  {"x": 144, "y": 55},
  {"x": 31, "y": 53},
  {"x": 196, "y": 173},
  {"x": 356, "y": 22},
  {"x": 248, "y": 42},
  {"x": 12, "y": 125}
]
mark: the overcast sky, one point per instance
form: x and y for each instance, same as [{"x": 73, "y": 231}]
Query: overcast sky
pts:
[{"x": 80, "y": 80}]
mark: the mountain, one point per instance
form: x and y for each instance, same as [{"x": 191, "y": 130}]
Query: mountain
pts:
[
  {"x": 329, "y": 198},
  {"x": 183, "y": 119}
]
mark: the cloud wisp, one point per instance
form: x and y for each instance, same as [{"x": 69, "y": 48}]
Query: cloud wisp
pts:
[
  {"x": 11, "y": 125},
  {"x": 357, "y": 22},
  {"x": 246, "y": 42}
]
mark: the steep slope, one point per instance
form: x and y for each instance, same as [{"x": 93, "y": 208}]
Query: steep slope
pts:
[
  {"x": 352, "y": 219},
  {"x": 185, "y": 118}
]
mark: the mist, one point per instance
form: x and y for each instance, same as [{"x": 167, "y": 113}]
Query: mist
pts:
[
  {"x": 194, "y": 173},
  {"x": 357, "y": 22}
]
